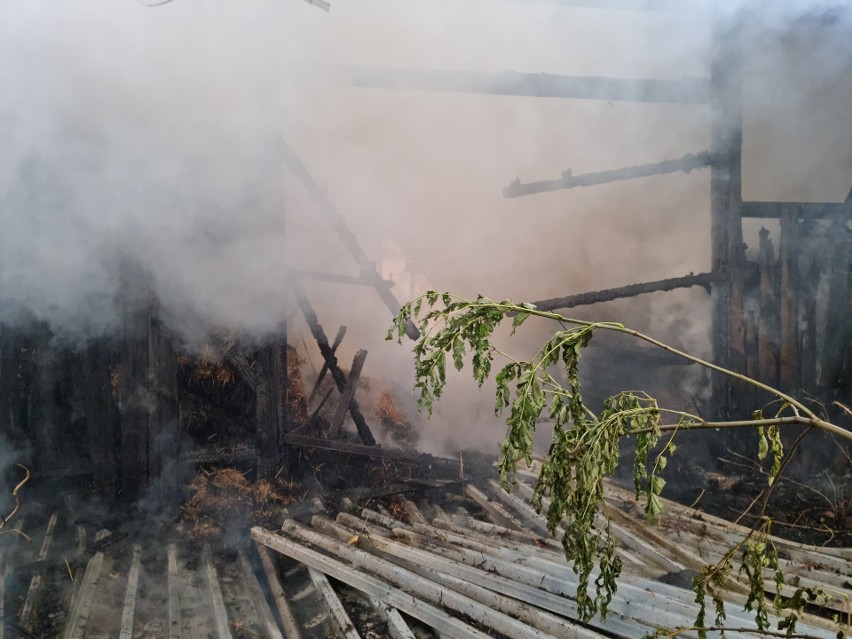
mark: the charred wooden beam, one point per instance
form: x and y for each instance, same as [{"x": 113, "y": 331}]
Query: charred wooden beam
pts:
[
  {"x": 266, "y": 414},
  {"x": 632, "y": 290},
  {"x": 341, "y": 332},
  {"x": 163, "y": 415},
  {"x": 727, "y": 254},
  {"x": 838, "y": 333},
  {"x": 147, "y": 392},
  {"x": 240, "y": 361},
  {"x": 767, "y": 331},
  {"x": 347, "y": 237},
  {"x": 788, "y": 377},
  {"x": 100, "y": 410},
  {"x": 347, "y": 394},
  {"x": 331, "y": 359},
  {"x": 535, "y": 85},
  {"x": 568, "y": 180}
]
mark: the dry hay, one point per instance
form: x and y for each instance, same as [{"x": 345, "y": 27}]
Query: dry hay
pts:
[
  {"x": 296, "y": 398},
  {"x": 225, "y": 499},
  {"x": 208, "y": 367},
  {"x": 394, "y": 421}
]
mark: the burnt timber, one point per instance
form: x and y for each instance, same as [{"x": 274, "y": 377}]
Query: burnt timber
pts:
[
  {"x": 448, "y": 564},
  {"x": 534, "y": 85},
  {"x": 607, "y": 295},
  {"x": 568, "y": 180}
]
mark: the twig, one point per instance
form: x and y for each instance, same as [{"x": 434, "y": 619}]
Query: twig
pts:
[{"x": 5, "y": 520}]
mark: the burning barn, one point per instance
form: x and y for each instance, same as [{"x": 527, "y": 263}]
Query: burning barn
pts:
[{"x": 202, "y": 430}]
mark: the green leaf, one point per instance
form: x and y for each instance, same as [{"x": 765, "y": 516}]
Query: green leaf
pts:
[{"x": 519, "y": 319}]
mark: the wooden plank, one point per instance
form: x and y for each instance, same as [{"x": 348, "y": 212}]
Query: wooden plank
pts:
[
  {"x": 79, "y": 615},
  {"x": 175, "y": 618},
  {"x": 258, "y": 599},
  {"x": 288, "y": 621},
  {"x": 637, "y": 599},
  {"x": 639, "y": 552},
  {"x": 727, "y": 255},
  {"x": 163, "y": 432},
  {"x": 99, "y": 409},
  {"x": 529, "y": 517},
  {"x": 331, "y": 359},
  {"x": 81, "y": 540},
  {"x": 767, "y": 330},
  {"x": 373, "y": 587},
  {"x": 341, "y": 332},
  {"x": 414, "y": 583},
  {"x": 347, "y": 394},
  {"x": 333, "y": 605},
  {"x": 413, "y": 512},
  {"x": 538, "y": 85},
  {"x": 489, "y": 590},
  {"x": 631, "y": 290},
  {"x": 48, "y": 537},
  {"x": 220, "y": 614},
  {"x": 128, "y": 612},
  {"x": 788, "y": 375},
  {"x": 397, "y": 627},
  {"x": 498, "y": 514},
  {"x": 27, "y": 614},
  {"x": 266, "y": 414}
]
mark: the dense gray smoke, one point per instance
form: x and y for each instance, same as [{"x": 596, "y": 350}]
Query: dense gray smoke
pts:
[{"x": 152, "y": 137}]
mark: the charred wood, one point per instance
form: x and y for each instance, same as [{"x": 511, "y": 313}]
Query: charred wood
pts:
[
  {"x": 568, "y": 180},
  {"x": 368, "y": 268},
  {"x": 538, "y": 85},
  {"x": 331, "y": 360},
  {"x": 609, "y": 294},
  {"x": 346, "y": 396},
  {"x": 767, "y": 338},
  {"x": 341, "y": 332},
  {"x": 788, "y": 374},
  {"x": 100, "y": 408}
]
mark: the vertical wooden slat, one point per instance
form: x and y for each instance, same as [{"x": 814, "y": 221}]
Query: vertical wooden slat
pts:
[
  {"x": 767, "y": 329},
  {"x": 163, "y": 416},
  {"x": 726, "y": 207},
  {"x": 175, "y": 617},
  {"x": 99, "y": 409},
  {"x": 788, "y": 374},
  {"x": 128, "y": 612},
  {"x": 347, "y": 394},
  {"x": 266, "y": 413}
]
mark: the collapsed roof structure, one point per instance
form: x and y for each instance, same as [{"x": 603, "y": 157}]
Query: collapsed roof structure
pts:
[{"x": 468, "y": 559}]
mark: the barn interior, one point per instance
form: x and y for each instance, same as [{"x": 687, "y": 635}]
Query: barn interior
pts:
[{"x": 213, "y": 213}]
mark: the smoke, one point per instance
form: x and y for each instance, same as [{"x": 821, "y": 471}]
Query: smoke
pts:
[{"x": 152, "y": 137}]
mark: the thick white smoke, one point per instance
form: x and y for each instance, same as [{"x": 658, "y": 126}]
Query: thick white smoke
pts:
[{"x": 151, "y": 136}]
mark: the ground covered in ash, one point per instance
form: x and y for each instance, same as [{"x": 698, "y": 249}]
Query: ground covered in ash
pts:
[{"x": 811, "y": 503}]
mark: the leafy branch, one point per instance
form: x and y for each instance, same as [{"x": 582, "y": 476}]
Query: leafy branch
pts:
[{"x": 586, "y": 446}]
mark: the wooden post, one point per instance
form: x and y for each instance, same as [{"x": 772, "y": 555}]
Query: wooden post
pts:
[
  {"x": 838, "y": 333},
  {"x": 347, "y": 394},
  {"x": 330, "y": 359},
  {"x": 341, "y": 332},
  {"x": 147, "y": 384},
  {"x": 788, "y": 377},
  {"x": 163, "y": 414},
  {"x": 99, "y": 407},
  {"x": 726, "y": 208},
  {"x": 767, "y": 331},
  {"x": 266, "y": 413}
]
